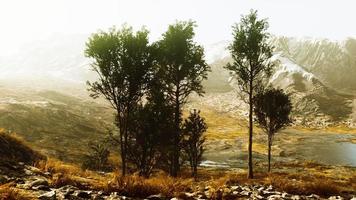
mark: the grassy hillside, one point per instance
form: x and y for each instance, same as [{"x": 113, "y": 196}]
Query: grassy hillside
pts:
[{"x": 60, "y": 125}]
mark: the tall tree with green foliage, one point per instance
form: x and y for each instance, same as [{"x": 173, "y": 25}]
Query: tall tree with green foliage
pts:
[
  {"x": 182, "y": 69},
  {"x": 272, "y": 110},
  {"x": 251, "y": 55},
  {"x": 194, "y": 128},
  {"x": 148, "y": 135},
  {"x": 122, "y": 59}
]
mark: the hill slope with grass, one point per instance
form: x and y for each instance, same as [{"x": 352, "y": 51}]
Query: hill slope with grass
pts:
[{"x": 59, "y": 125}]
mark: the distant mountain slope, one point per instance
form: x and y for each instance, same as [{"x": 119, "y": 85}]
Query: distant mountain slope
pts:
[
  {"x": 333, "y": 62},
  {"x": 60, "y": 58},
  {"x": 315, "y": 103},
  {"x": 58, "y": 124}
]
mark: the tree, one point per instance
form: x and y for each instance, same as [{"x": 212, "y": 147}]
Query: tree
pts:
[
  {"x": 193, "y": 129},
  {"x": 122, "y": 60},
  {"x": 251, "y": 54},
  {"x": 272, "y": 109},
  {"x": 153, "y": 122},
  {"x": 182, "y": 69}
]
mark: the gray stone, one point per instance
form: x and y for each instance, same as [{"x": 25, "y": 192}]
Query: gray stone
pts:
[
  {"x": 48, "y": 196},
  {"x": 41, "y": 187},
  {"x": 82, "y": 194},
  {"x": 313, "y": 196},
  {"x": 295, "y": 197},
  {"x": 286, "y": 195},
  {"x": 156, "y": 197},
  {"x": 274, "y": 197},
  {"x": 245, "y": 193},
  {"x": 335, "y": 198},
  {"x": 38, "y": 182}
]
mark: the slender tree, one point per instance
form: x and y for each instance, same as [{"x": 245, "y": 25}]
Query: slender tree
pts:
[
  {"x": 194, "y": 128},
  {"x": 182, "y": 69},
  {"x": 251, "y": 54},
  {"x": 272, "y": 110},
  {"x": 122, "y": 59}
]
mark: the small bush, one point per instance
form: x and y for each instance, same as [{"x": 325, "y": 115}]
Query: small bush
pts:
[{"x": 97, "y": 158}]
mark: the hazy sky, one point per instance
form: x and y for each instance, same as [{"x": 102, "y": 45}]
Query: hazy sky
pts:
[{"x": 24, "y": 20}]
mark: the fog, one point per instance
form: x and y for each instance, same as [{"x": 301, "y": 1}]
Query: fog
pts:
[{"x": 24, "y": 21}]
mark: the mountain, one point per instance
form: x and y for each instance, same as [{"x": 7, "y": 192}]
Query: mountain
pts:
[
  {"x": 57, "y": 60},
  {"x": 318, "y": 73},
  {"x": 333, "y": 62},
  {"x": 317, "y": 101}
]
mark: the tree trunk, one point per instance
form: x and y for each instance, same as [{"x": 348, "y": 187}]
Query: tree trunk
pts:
[
  {"x": 269, "y": 153},
  {"x": 195, "y": 171},
  {"x": 176, "y": 137},
  {"x": 123, "y": 155},
  {"x": 250, "y": 169}
]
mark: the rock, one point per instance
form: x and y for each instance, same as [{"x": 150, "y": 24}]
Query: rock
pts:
[
  {"x": 295, "y": 197},
  {"x": 82, "y": 194},
  {"x": 66, "y": 191},
  {"x": 41, "y": 187},
  {"x": 38, "y": 182},
  {"x": 28, "y": 172},
  {"x": 3, "y": 179},
  {"x": 260, "y": 189},
  {"x": 48, "y": 196},
  {"x": 336, "y": 198},
  {"x": 235, "y": 188},
  {"x": 286, "y": 195},
  {"x": 156, "y": 197},
  {"x": 313, "y": 196},
  {"x": 245, "y": 193},
  {"x": 274, "y": 197},
  {"x": 270, "y": 188},
  {"x": 115, "y": 196}
]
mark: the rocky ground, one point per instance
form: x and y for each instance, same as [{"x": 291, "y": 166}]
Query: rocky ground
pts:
[{"x": 31, "y": 180}]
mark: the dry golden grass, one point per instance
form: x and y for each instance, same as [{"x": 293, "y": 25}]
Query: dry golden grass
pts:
[
  {"x": 137, "y": 186},
  {"x": 341, "y": 129},
  {"x": 70, "y": 174},
  {"x": 232, "y": 127},
  {"x": 132, "y": 185},
  {"x": 9, "y": 193},
  {"x": 14, "y": 149}
]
